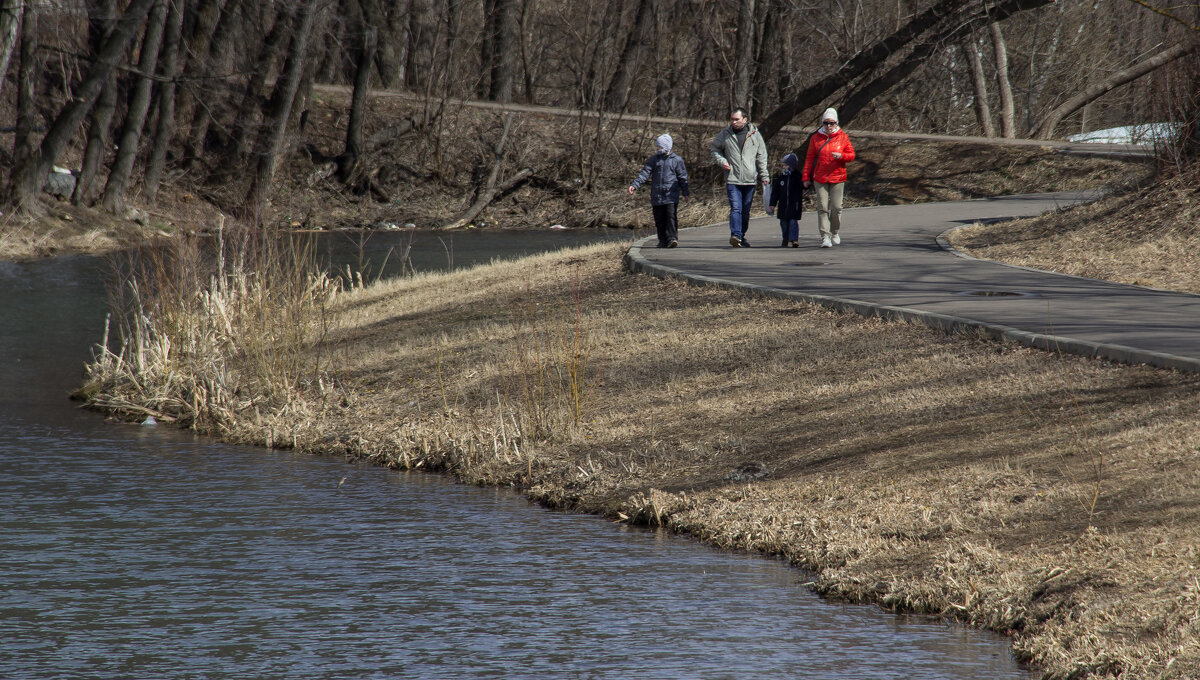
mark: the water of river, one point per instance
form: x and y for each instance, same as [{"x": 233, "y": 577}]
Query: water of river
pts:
[{"x": 144, "y": 552}]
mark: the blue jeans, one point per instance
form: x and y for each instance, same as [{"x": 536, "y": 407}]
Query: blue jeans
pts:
[
  {"x": 790, "y": 229},
  {"x": 741, "y": 197}
]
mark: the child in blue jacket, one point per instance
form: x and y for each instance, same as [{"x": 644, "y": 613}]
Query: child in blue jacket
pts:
[
  {"x": 787, "y": 192},
  {"x": 668, "y": 181}
]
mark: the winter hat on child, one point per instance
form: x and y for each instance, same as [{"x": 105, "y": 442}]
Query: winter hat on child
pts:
[
  {"x": 663, "y": 142},
  {"x": 830, "y": 114},
  {"x": 791, "y": 161}
]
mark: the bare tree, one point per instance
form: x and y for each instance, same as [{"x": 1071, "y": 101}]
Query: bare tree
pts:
[
  {"x": 743, "y": 58},
  {"x": 30, "y": 174},
  {"x": 983, "y": 113},
  {"x": 1004, "y": 87},
  {"x": 101, "y": 17},
  {"x": 164, "y": 130},
  {"x": 271, "y": 139},
  {"x": 23, "y": 143},
  {"x": 947, "y": 14},
  {"x": 348, "y": 160},
  {"x": 637, "y": 45},
  {"x": 135, "y": 114},
  {"x": 1045, "y": 128},
  {"x": 10, "y": 21}
]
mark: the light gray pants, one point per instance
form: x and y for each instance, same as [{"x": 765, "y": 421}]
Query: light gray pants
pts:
[{"x": 829, "y": 208}]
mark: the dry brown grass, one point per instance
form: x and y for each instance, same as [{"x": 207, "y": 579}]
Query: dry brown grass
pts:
[
  {"x": 1053, "y": 499},
  {"x": 1148, "y": 237}
]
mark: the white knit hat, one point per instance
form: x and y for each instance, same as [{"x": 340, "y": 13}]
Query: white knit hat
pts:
[
  {"x": 829, "y": 113},
  {"x": 664, "y": 142}
]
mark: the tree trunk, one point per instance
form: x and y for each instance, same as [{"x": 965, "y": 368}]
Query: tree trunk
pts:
[
  {"x": 743, "y": 60},
  {"x": 767, "y": 58},
  {"x": 487, "y": 47},
  {"x": 632, "y": 56},
  {"x": 101, "y": 17},
  {"x": 250, "y": 108},
  {"x": 983, "y": 113},
  {"x": 1045, "y": 129},
  {"x": 30, "y": 176},
  {"x": 195, "y": 51},
  {"x": 10, "y": 21},
  {"x": 271, "y": 139},
  {"x": 419, "y": 50},
  {"x": 165, "y": 129},
  {"x": 1007, "y": 110},
  {"x": 504, "y": 51},
  {"x": 218, "y": 58},
  {"x": 135, "y": 115},
  {"x": 348, "y": 161},
  {"x": 23, "y": 143}
]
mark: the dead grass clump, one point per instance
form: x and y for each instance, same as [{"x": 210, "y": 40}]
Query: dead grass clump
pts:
[
  {"x": 212, "y": 339},
  {"x": 1147, "y": 237}
]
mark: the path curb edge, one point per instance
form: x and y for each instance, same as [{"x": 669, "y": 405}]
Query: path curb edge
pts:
[{"x": 636, "y": 263}]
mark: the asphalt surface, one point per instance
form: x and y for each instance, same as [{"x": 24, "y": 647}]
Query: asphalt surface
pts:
[{"x": 894, "y": 262}]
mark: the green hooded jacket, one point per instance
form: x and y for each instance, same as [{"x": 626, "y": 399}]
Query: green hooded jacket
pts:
[{"x": 747, "y": 164}]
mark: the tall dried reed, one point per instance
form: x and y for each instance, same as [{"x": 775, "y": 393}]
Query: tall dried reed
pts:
[
  {"x": 207, "y": 332},
  {"x": 551, "y": 394}
]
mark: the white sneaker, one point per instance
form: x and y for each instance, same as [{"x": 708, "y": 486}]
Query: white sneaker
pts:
[
  {"x": 825, "y": 243},
  {"x": 837, "y": 240}
]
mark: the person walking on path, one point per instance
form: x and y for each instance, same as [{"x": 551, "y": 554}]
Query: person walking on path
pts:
[
  {"x": 787, "y": 192},
  {"x": 668, "y": 182},
  {"x": 740, "y": 150},
  {"x": 829, "y": 150}
]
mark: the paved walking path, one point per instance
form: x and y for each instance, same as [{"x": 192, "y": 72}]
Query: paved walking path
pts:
[{"x": 893, "y": 263}]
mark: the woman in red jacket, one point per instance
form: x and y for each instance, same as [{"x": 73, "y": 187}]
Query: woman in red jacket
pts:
[{"x": 829, "y": 150}]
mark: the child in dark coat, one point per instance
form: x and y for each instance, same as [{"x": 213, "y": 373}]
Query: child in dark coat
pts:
[
  {"x": 668, "y": 182},
  {"x": 787, "y": 192}
]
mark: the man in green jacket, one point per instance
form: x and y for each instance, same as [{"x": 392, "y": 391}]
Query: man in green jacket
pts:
[{"x": 740, "y": 150}]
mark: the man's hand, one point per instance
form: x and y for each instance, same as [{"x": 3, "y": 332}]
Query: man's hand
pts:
[
  {"x": 727, "y": 167},
  {"x": 631, "y": 190}
]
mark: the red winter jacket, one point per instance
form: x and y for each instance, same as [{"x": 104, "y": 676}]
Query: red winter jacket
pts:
[{"x": 827, "y": 170}]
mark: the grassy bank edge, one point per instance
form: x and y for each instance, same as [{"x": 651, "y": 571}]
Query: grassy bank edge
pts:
[{"x": 704, "y": 484}]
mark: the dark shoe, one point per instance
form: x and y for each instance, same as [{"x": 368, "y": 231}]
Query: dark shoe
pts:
[
  {"x": 735, "y": 242},
  {"x": 783, "y": 245},
  {"x": 795, "y": 244},
  {"x": 745, "y": 243},
  {"x": 672, "y": 244}
]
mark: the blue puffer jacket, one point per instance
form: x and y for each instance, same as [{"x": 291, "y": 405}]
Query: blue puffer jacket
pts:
[{"x": 668, "y": 178}]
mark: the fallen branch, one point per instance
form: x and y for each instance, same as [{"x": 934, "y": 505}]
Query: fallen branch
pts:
[
  {"x": 486, "y": 198},
  {"x": 490, "y": 189}
]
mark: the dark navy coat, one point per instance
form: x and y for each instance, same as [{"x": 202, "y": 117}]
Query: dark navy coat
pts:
[
  {"x": 787, "y": 192},
  {"x": 668, "y": 178}
]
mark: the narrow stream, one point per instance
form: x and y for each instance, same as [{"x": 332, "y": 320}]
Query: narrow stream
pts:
[{"x": 144, "y": 552}]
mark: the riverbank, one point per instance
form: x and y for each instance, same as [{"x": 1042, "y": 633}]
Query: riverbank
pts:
[{"x": 1051, "y": 499}]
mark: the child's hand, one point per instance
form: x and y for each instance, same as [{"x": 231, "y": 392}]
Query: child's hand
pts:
[{"x": 631, "y": 190}]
